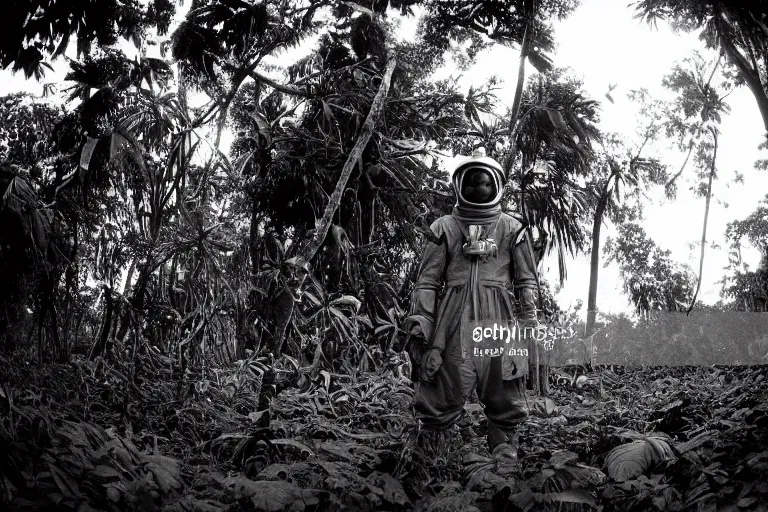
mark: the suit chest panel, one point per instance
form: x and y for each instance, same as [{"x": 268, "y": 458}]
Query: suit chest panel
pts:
[{"x": 496, "y": 268}]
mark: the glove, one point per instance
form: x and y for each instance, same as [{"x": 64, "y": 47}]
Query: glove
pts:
[
  {"x": 417, "y": 344},
  {"x": 417, "y": 333},
  {"x": 416, "y": 348},
  {"x": 431, "y": 362}
]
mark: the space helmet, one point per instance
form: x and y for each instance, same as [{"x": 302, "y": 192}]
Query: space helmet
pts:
[{"x": 478, "y": 160}]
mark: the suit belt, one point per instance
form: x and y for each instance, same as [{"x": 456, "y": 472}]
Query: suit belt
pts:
[{"x": 495, "y": 283}]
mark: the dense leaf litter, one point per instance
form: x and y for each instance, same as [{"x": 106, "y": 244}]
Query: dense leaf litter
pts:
[{"x": 266, "y": 435}]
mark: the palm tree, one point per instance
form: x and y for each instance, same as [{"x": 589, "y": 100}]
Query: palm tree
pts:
[
  {"x": 551, "y": 142},
  {"x": 618, "y": 173},
  {"x": 626, "y": 168}
]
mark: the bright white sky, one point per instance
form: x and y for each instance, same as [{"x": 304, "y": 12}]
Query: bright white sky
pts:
[
  {"x": 604, "y": 45},
  {"x": 629, "y": 52}
]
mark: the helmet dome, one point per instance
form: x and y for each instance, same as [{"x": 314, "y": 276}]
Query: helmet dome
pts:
[{"x": 469, "y": 167}]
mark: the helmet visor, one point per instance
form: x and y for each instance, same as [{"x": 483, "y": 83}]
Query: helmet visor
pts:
[{"x": 478, "y": 186}]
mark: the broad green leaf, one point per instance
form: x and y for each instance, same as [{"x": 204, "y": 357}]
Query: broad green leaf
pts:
[
  {"x": 87, "y": 152},
  {"x": 270, "y": 496},
  {"x": 383, "y": 328},
  {"x": 279, "y": 471},
  {"x": 165, "y": 470},
  {"x": 189, "y": 502},
  {"x": 115, "y": 144},
  {"x": 66, "y": 485},
  {"x": 557, "y": 120},
  {"x": 347, "y": 300},
  {"x": 561, "y": 458},
  {"x": 295, "y": 444},
  {"x": 103, "y": 471},
  {"x": 746, "y": 502},
  {"x": 353, "y": 453},
  {"x": 573, "y": 496},
  {"x": 113, "y": 494},
  {"x": 39, "y": 232},
  {"x": 393, "y": 489},
  {"x": 586, "y": 476},
  {"x": 341, "y": 475}
]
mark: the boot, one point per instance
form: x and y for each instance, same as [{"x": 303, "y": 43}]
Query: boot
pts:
[
  {"x": 466, "y": 430},
  {"x": 503, "y": 447}
]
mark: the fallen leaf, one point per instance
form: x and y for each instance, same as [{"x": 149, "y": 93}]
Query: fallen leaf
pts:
[{"x": 271, "y": 496}]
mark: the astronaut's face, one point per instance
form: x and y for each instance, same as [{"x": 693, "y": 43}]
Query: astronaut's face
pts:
[{"x": 478, "y": 186}]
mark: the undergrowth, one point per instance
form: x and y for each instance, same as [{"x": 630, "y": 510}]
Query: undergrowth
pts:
[{"x": 267, "y": 435}]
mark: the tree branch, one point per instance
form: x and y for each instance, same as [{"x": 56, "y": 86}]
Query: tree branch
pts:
[
  {"x": 685, "y": 162},
  {"x": 287, "y": 89},
  {"x": 751, "y": 76},
  {"x": 357, "y": 7}
]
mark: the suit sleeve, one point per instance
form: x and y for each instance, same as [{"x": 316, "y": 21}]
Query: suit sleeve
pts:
[
  {"x": 524, "y": 270},
  {"x": 428, "y": 283}
]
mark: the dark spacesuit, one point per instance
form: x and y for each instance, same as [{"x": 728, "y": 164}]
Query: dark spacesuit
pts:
[{"x": 469, "y": 276}]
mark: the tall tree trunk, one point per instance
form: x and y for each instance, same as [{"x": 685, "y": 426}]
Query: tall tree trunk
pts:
[
  {"x": 60, "y": 349},
  {"x": 517, "y": 100},
  {"x": 100, "y": 345},
  {"x": 594, "y": 263},
  {"x": 137, "y": 299},
  {"x": 71, "y": 292},
  {"x": 539, "y": 374},
  {"x": 691, "y": 145},
  {"x": 129, "y": 276},
  {"x": 706, "y": 218},
  {"x": 253, "y": 237},
  {"x": 285, "y": 304},
  {"x": 354, "y": 158}
]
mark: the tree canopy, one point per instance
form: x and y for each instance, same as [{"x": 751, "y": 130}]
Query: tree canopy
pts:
[{"x": 739, "y": 30}]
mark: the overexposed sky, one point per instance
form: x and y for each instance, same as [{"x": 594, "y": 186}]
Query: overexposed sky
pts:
[{"x": 604, "y": 45}]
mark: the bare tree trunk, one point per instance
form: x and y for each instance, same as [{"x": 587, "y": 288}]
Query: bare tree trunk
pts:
[
  {"x": 594, "y": 264},
  {"x": 137, "y": 299},
  {"x": 71, "y": 293},
  {"x": 129, "y": 277},
  {"x": 355, "y": 156},
  {"x": 706, "y": 218},
  {"x": 515, "y": 111},
  {"x": 100, "y": 346},
  {"x": 60, "y": 349}
]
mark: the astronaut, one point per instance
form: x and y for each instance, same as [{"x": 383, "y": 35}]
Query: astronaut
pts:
[{"x": 468, "y": 273}]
